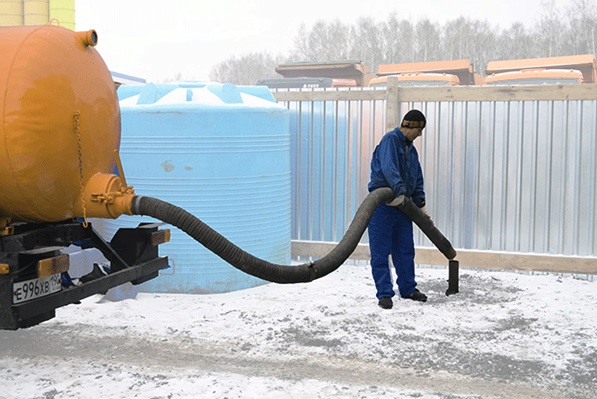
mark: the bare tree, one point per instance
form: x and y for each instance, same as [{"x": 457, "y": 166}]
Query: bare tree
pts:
[
  {"x": 427, "y": 41},
  {"x": 391, "y": 40},
  {"x": 398, "y": 40},
  {"x": 514, "y": 43},
  {"x": 583, "y": 26},
  {"x": 325, "y": 41},
  {"x": 302, "y": 48},
  {"x": 454, "y": 32},
  {"x": 246, "y": 69},
  {"x": 470, "y": 39},
  {"x": 482, "y": 43},
  {"x": 548, "y": 33},
  {"x": 367, "y": 42}
]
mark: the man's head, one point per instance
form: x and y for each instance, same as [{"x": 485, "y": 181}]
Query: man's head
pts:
[{"x": 413, "y": 124}]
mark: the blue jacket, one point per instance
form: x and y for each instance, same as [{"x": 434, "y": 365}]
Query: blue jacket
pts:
[{"x": 395, "y": 164}]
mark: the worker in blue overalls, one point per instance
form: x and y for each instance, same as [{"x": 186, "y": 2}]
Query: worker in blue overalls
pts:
[{"x": 395, "y": 164}]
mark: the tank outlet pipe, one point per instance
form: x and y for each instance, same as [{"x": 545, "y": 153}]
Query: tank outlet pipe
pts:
[
  {"x": 426, "y": 225},
  {"x": 252, "y": 265},
  {"x": 88, "y": 38},
  {"x": 104, "y": 195}
]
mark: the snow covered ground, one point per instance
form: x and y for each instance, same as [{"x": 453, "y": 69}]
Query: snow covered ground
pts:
[{"x": 505, "y": 335}]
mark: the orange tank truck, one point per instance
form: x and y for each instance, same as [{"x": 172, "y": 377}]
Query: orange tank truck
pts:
[
  {"x": 59, "y": 136},
  {"x": 60, "y": 127}
]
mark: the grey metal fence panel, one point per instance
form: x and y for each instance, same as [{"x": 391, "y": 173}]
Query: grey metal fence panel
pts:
[
  {"x": 331, "y": 149},
  {"x": 499, "y": 175}
]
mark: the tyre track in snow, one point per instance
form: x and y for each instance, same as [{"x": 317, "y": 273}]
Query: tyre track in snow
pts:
[{"x": 150, "y": 355}]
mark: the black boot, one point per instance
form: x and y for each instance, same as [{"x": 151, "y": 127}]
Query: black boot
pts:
[
  {"x": 418, "y": 296},
  {"x": 385, "y": 303}
]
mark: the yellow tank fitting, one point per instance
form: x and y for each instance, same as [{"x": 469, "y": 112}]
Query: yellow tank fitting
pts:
[
  {"x": 5, "y": 229},
  {"x": 105, "y": 196},
  {"x": 89, "y": 38}
]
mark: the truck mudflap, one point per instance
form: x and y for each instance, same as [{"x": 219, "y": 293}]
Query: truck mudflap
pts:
[{"x": 34, "y": 273}]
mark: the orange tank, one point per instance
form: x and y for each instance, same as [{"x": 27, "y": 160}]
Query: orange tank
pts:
[{"x": 59, "y": 127}]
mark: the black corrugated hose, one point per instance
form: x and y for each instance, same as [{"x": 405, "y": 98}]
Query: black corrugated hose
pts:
[
  {"x": 426, "y": 225},
  {"x": 252, "y": 265}
]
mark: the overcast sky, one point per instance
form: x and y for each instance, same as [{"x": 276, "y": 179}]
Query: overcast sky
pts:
[{"x": 157, "y": 40}]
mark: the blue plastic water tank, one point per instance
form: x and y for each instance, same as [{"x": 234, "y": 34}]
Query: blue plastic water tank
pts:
[{"x": 221, "y": 152}]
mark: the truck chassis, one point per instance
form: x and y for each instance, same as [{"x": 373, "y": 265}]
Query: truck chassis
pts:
[{"x": 31, "y": 260}]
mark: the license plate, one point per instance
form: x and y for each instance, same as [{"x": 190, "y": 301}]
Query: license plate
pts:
[{"x": 27, "y": 290}]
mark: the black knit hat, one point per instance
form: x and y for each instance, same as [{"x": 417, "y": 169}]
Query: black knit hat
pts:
[{"x": 414, "y": 118}]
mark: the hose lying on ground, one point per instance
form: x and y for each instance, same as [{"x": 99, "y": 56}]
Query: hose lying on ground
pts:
[{"x": 257, "y": 267}]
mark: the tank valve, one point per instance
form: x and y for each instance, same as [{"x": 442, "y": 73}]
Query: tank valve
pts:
[{"x": 105, "y": 196}]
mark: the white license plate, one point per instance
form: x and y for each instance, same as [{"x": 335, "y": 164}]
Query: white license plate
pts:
[{"x": 36, "y": 288}]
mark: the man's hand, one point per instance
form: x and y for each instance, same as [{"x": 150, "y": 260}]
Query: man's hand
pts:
[
  {"x": 424, "y": 210},
  {"x": 397, "y": 201}
]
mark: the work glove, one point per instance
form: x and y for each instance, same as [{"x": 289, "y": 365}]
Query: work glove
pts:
[
  {"x": 396, "y": 201},
  {"x": 400, "y": 199}
]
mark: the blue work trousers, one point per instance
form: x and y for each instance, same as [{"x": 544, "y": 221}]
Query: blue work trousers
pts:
[{"x": 391, "y": 233}]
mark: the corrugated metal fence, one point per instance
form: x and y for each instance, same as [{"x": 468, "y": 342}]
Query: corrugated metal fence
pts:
[{"x": 510, "y": 172}]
